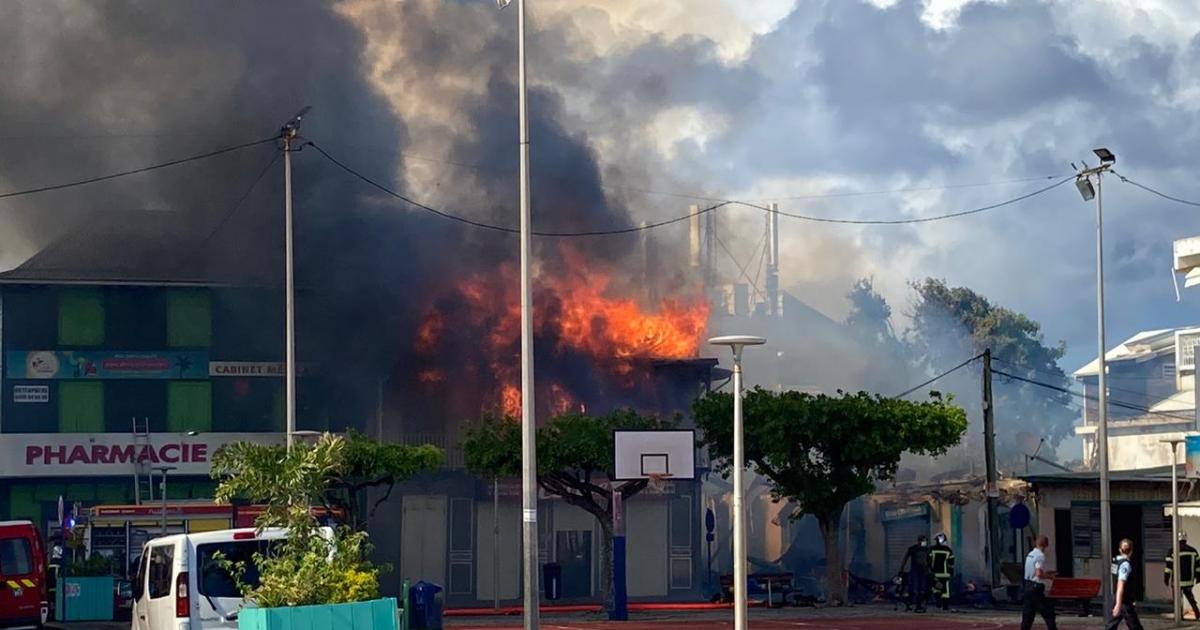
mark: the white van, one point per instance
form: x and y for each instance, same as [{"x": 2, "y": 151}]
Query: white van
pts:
[{"x": 180, "y": 585}]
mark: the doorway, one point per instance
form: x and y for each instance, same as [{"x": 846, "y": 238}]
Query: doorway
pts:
[
  {"x": 574, "y": 554},
  {"x": 1064, "y": 557},
  {"x": 1127, "y": 523}
]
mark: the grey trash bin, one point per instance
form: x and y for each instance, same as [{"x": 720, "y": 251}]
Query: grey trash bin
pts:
[{"x": 426, "y": 601}]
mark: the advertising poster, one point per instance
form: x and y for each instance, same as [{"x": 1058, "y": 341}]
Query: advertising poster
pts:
[{"x": 86, "y": 364}]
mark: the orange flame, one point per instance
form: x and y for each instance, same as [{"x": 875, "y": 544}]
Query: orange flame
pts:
[{"x": 577, "y": 306}]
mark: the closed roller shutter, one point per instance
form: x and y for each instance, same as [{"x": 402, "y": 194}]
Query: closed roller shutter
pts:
[{"x": 902, "y": 534}]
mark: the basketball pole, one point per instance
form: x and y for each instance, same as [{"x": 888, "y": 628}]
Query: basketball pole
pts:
[{"x": 620, "y": 596}]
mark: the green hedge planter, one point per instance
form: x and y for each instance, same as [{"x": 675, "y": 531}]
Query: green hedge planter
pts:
[
  {"x": 378, "y": 614},
  {"x": 84, "y": 599}
]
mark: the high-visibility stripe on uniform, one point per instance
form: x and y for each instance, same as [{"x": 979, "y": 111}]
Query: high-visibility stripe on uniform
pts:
[
  {"x": 942, "y": 569},
  {"x": 28, "y": 583}
]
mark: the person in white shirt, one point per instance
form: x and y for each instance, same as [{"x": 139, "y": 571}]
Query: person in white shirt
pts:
[{"x": 1037, "y": 579}]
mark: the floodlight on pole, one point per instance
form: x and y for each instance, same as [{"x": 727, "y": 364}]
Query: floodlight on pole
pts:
[
  {"x": 1107, "y": 159},
  {"x": 288, "y": 134},
  {"x": 737, "y": 343}
]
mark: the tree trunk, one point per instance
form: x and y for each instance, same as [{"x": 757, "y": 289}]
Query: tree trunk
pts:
[
  {"x": 606, "y": 564},
  {"x": 835, "y": 584}
]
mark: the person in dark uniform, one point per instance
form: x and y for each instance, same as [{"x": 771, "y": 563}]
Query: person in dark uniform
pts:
[
  {"x": 941, "y": 566},
  {"x": 1187, "y": 571},
  {"x": 1124, "y": 607},
  {"x": 917, "y": 561},
  {"x": 1034, "y": 600}
]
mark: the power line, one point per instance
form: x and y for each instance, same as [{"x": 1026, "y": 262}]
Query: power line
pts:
[
  {"x": 144, "y": 169},
  {"x": 1144, "y": 395},
  {"x": 1113, "y": 403},
  {"x": 649, "y": 226},
  {"x": 1156, "y": 192},
  {"x": 940, "y": 217},
  {"x": 501, "y": 228},
  {"x": 940, "y": 376},
  {"x": 893, "y": 191},
  {"x": 241, "y": 200}
]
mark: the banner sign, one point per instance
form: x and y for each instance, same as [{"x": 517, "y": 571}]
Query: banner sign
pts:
[
  {"x": 84, "y": 364},
  {"x": 31, "y": 393},
  {"x": 910, "y": 511},
  {"x": 74, "y": 454},
  {"x": 1192, "y": 461},
  {"x": 255, "y": 368}
]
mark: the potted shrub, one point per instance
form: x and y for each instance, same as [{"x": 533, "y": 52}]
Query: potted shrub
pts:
[{"x": 320, "y": 575}]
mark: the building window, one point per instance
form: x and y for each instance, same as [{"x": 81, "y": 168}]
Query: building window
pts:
[
  {"x": 30, "y": 318},
  {"x": 248, "y": 404},
  {"x": 162, "y": 566},
  {"x": 189, "y": 406},
  {"x": 15, "y": 557},
  {"x": 80, "y": 407},
  {"x": 125, "y": 400},
  {"x": 80, "y": 317},
  {"x": 135, "y": 319},
  {"x": 189, "y": 318},
  {"x": 26, "y": 413}
]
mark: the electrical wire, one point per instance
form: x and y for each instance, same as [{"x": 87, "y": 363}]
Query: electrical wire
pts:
[
  {"x": 649, "y": 226},
  {"x": 1132, "y": 392},
  {"x": 144, "y": 169},
  {"x": 501, "y": 228},
  {"x": 241, "y": 200},
  {"x": 1111, "y": 402},
  {"x": 893, "y": 191},
  {"x": 940, "y": 217},
  {"x": 940, "y": 376},
  {"x": 1156, "y": 192},
  {"x": 745, "y": 274}
]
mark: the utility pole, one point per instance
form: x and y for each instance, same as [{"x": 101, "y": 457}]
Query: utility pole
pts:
[
  {"x": 288, "y": 133},
  {"x": 1084, "y": 183},
  {"x": 989, "y": 456},
  {"x": 773, "y": 306}
]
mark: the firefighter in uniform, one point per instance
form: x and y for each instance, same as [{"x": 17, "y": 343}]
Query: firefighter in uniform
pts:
[
  {"x": 941, "y": 566},
  {"x": 1187, "y": 571}
]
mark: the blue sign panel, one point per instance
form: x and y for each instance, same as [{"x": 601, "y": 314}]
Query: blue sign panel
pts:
[
  {"x": 1192, "y": 461},
  {"x": 87, "y": 364}
]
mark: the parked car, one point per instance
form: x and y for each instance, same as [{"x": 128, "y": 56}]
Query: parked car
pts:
[
  {"x": 181, "y": 580},
  {"x": 122, "y": 599},
  {"x": 24, "y": 602}
]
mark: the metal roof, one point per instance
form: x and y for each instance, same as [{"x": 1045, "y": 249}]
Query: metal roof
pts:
[{"x": 1157, "y": 474}]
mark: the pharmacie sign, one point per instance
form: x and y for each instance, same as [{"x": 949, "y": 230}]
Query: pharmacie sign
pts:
[{"x": 64, "y": 454}]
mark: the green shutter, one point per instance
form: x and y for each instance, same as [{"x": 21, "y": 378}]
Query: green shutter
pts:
[
  {"x": 80, "y": 317},
  {"x": 80, "y": 407},
  {"x": 112, "y": 494},
  {"x": 279, "y": 409},
  {"x": 189, "y": 406},
  {"x": 189, "y": 318}
]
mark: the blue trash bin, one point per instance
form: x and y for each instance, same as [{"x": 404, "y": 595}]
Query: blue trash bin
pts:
[{"x": 426, "y": 602}]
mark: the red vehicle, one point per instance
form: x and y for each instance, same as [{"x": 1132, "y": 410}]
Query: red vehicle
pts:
[{"x": 23, "y": 600}]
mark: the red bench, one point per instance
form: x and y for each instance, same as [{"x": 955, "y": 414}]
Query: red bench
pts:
[{"x": 1080, "y": 590}]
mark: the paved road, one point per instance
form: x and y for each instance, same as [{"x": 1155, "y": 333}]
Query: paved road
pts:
[{"x": 862, "y": 618}]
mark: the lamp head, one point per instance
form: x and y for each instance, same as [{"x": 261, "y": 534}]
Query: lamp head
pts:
[
  {"x": 1085, "y": 188},
  {"x": 1106, "y": 156}
]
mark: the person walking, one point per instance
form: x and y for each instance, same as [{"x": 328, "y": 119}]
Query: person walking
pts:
[
  {"x": 1034, "y": 600},
  {"x": 941, "y": 566},
  {"x": 1187, "y": 571},
  {"x": 917, "y": 561},
  {"x": 1124, "y": 609}
]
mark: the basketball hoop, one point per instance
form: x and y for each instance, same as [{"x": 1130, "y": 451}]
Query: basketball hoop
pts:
[{"x": 658, "y": 480}]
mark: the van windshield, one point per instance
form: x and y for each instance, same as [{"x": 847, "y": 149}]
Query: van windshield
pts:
[
  {"x": 15, "y": 558},
  {"x": 214, "y": 579}
]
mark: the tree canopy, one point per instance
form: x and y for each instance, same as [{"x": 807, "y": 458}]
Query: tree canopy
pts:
[{"x": 820, "y": 452}]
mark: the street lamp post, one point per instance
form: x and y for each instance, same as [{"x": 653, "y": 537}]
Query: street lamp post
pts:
[
  {"x": 163, "y": 470},
  {"x": 1176, "y": 605},
  {"x": 737, "y": 343},
  {"x": 1084, "y": 183},
  {"x": 529, "y": 524},
  {"x": 288, "y": 134}
]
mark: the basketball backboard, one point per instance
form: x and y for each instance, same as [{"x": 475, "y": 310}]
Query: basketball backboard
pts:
[{"x": 646, "y": 454}]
